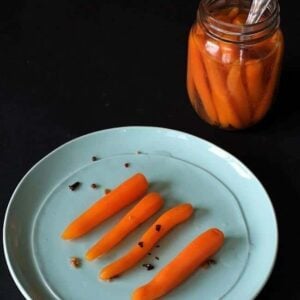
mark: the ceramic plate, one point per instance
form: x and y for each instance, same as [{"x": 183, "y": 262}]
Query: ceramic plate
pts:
[{"x": 183, "y": 168}]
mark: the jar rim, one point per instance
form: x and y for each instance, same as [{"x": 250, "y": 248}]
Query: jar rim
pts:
[{"x": 248, "y": 33}]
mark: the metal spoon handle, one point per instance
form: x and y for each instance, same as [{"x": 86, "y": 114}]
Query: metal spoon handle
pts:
[{"x": 257, "y": 9}]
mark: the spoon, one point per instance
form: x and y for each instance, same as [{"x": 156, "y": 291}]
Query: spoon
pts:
[{"x": 257, "y": 9}]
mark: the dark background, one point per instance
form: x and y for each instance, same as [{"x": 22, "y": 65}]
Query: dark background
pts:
[{"x": 71, "y": 67}]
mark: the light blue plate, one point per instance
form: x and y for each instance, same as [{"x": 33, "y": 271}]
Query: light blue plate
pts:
[{"x": 183, "y": 168}]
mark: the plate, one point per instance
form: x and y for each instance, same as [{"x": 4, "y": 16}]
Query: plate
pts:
[{"x": 183, "y": 168}]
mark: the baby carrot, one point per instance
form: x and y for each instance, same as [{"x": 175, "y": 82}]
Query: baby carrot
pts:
[
  {"x": 266, "y": 101},
  {"x": 217, "y": 79},
  {"x": 238, "y": 92},
  {"x": 198, "y": 74},
  {"x": 254, "y": 71},
  {"x": 191, "y": 87},
  {"x": 127, "y": 192},
  {"x": 240, "y": 19},
  {"x": 148, "y": 206},
  {"x": 158, "y": 230},
  {"x": 230, "y": 52},
  {"x": 182, "y": 266},
  {"x": 222, "y": 18},
  {"x": 227, "y": 15},
  {"x": 233, "y": 13}
]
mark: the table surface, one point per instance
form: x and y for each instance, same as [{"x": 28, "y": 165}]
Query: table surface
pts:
[{"x": 72, "y": 67}]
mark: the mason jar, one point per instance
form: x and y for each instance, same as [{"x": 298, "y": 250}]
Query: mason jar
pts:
[{"x": 233, "y": 68}]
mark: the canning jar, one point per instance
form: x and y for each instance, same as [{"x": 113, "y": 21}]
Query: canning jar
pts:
[{"x": 233, "y": 68}]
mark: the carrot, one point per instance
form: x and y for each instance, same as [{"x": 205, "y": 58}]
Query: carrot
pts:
[
  {"x": 216, "y": 76},
  {"x": 230, "y": 52},
  {"x": 233, "y": 13},
  {"x": 127, "y": 192},
  {"x": 266, "y": 101},
  {"x": 222, "y": 17},
  {"x": 182, "y": 266},
  {"x": 198, "y": 74},
  {"x": 191, "y": 87},
  {"x": 239, "y": 94},
  {"x": 227, "y": 15},
  {"x": 254, "y": 71},
  {"x": 226, "y": 111},
  {"x": 240, "y": 19},
  {"x": 158, "y": 230},
  {"x": 148, "y": 206}
]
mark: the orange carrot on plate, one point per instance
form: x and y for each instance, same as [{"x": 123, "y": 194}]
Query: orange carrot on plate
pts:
[
  {"x": 182, "y": 266},
  {"x": 159, "y": 229},
  {"x": 147, "y": 207},
  {"x": 120, "y": 197}
]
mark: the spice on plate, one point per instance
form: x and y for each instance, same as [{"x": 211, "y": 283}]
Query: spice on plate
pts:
[
  {"x": 94, "y": 158},
  {"x": 127, "y": 165},
  {"x": 74, "y": 186},
  {"x": 149, "y": 253},
  {"x": 209, "y": 263},
  {"x": 75, "y": 262},
  {"x": 141, "y": 244},
  {"x": 149, "y": 267},
  {"x": 107, "y": 191},
  {"x": 138, "y": 152},
  {"x": 157, "y": 246},
  {"x": 157, "y": 227},
  {"x": 156, "y": 257},
  {"x": 94, "y": 185}
]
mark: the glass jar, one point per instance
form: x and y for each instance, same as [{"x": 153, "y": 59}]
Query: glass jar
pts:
[{"x": 233, "y": 68}]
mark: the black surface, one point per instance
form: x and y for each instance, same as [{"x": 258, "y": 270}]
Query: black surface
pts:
[{"x": 71, "y": 67}]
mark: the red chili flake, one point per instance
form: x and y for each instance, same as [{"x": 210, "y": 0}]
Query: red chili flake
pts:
[
  {"x": 94, "y": 185},
  {"x": 75, "y": 262},
  {"x": 149, "y": 267},
  {"x": 141, "y": 244},
  {"x": 107, "y": 191},
  {"x": 74, "y": 186},
  {"x": 156, "y": 257},
  {"x": 157, "y": 227},
  {"x": 126, "y": 165},
  {"x": 209, "y": 263},
  {"x": 94, "y": 158}
]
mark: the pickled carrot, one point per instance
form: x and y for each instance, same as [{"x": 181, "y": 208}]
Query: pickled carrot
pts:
[
  {"x": 182, "y": 266},
  {"x": 233, "y": 13},
  {"x": 166, "y": 222},
  {"x": 127, "y": 192},
  {"x": 254, "y": 70},
  {"x": 198, "y": 75},
  {"x": 217, "y": 79},
  {"x": 230, "y": 52},
  {"x": 145, "y": 208},
  {"x": 266, "y": 101},
  {"x": 238, "y": 92},
  {"x": 240, "y": 19}
]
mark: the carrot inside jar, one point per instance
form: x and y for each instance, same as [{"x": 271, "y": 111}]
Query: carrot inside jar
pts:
[{"x": 233, "y": 68}]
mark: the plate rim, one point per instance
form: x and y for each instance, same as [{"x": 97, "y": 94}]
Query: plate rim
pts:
[{"x": 272, "y": 210}]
